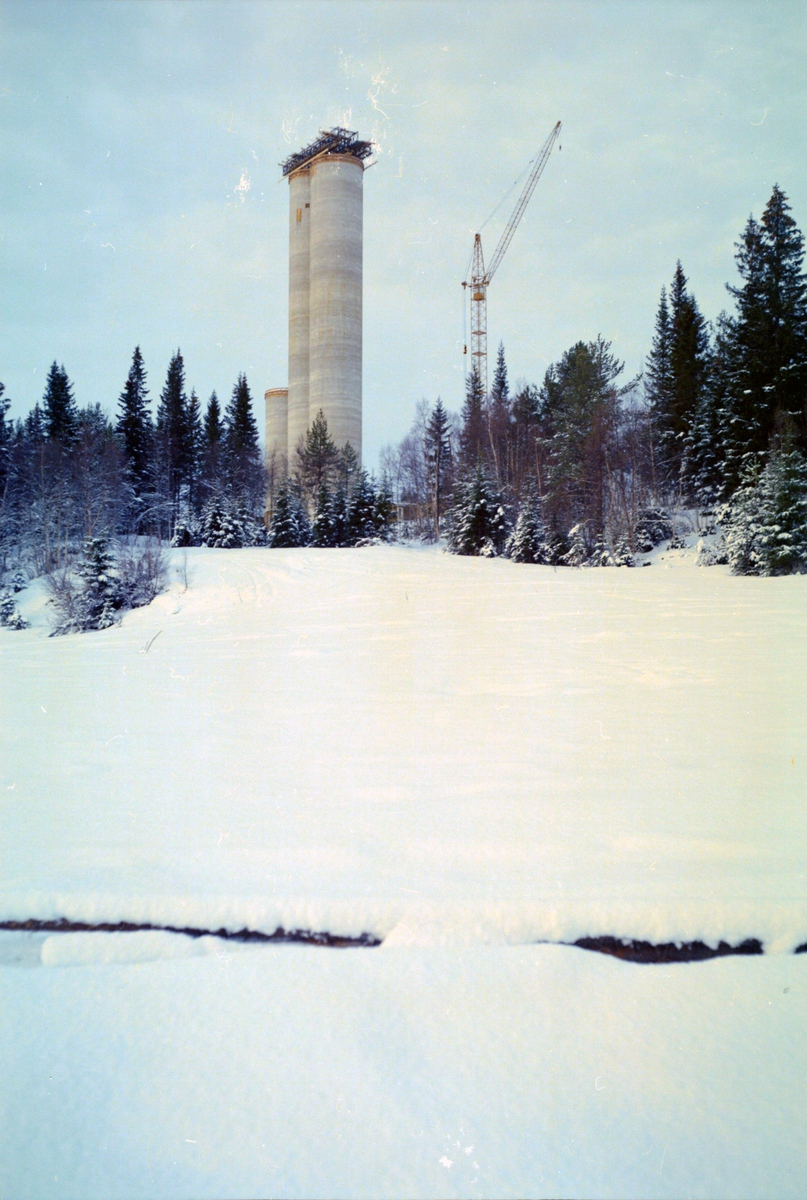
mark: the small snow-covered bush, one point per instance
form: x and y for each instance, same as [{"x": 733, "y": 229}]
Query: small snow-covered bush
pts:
[
  {"x": 187, "y": 532},
  {"x": 711, "y": 553},
  {"x": 142, "y": 572},
  {"x": 653, "y": 527},
  {"x": 577, "y": 553},
  {"x": 623, "y": 555}
]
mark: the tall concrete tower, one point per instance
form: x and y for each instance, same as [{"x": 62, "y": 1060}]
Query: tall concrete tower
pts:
[{"x": 325, "y": 292}]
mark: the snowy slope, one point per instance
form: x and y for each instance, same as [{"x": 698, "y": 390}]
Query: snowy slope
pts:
[{"x": 427, "y": 748}]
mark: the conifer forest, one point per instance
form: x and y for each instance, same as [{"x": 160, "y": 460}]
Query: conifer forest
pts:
[
  {"x": 586, "y": 469},
  {"x": 590, "y": 468}
]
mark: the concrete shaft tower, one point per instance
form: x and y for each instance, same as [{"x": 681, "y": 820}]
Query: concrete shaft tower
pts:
[
  {"x": 325, "y": 290},
  {"x": 335, "y": 294},
  {"x": 299, "y": 305}
]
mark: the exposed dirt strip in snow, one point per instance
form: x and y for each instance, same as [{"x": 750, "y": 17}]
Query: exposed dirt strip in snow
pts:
[
  {"x": 668, "y": 952},
  {"x": 306, "y": 937},
  {"x": 630, "y": 951}
]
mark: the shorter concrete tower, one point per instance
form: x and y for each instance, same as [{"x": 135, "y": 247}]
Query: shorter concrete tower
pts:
[
  {"x": 277, "y": 425},
  {"x": 325, "y": 294}
]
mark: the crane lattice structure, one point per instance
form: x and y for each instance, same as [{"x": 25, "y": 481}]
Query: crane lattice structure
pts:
[{"x": 479, "y": 278}]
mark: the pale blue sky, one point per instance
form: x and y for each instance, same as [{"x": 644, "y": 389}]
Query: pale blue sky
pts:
[{"x": 141, "y": 202}]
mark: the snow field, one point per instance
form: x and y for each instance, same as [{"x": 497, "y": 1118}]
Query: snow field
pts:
[
  {"x": 431, "y": 749},
  {"x": 463, "y": 758},
  {"x": 509, "y": 1071}
]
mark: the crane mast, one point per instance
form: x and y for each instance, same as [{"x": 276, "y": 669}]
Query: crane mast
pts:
[{"x": 479, "y": 278}]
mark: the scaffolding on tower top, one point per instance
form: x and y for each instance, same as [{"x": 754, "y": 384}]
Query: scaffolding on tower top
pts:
[{"x": 330, "y": 141}]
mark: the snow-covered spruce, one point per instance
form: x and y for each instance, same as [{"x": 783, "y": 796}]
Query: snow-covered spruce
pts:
[
  {"x": 361, "y": 511},
  {"x": 527, "y": 543},
  {"x": 765, "y": 521},
  {"x": 329, "y": 526},
  {"x": 290, "y": 526},
  {"x": 477, "y": 523},
  {"x": 9, "y": 617},
  {"x": 93, "y": 592},
  {"x": 225, "y": 526}
]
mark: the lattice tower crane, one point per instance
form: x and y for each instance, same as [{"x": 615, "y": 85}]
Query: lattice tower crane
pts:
[{"x": 479, "y": 278}]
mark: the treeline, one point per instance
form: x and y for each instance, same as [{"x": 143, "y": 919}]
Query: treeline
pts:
[
  {"x": 70, "y": 474},
  {"x": 588, "y": 468},
  {"x": 73, "y": 481}
]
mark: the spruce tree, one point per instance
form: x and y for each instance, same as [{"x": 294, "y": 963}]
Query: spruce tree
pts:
[
  {"x": 763, "y": 365},
  {"x": 500, "y": 392},
  {"x": 134, "y": 427},
  {"x": 785, "y": 535},
  {"x": 384, "y": 511},
  {"x": 348, "y": 466},
  {"x": 59, "y": 407},
  {"x": 212, "y": 443},
  {"x": 239, "y": 420},
  {"x": 765, "y": 522},
  {"x": 243, "y": 459},
  {"x": 579, "y": 415},
  {"x": 478, "y": 524},
  {"x": 173, "y": 436},
  {"x": 689, "y": 355},
  {"x": 7, "y": 498},
  {"x": 95, "y": 605},
  {"x": 195, "y": 452},
  {"x": 704, "y": 442},
  {"x": 101, "y": 597},
  {"x": 525, "y": 433},
  {"x": 437, "y": 442},
  {"x": 224, "y": 527},
  {"x": 317, "y": 457},
  {"x": 6, "y": 434},
  {"x": 213, "y": 428},
  {"x": 676, "y": 378},
  {"x": 361, "y": 510},
  {"x": 473, "y": 434},
  {"x": 577, "y": 552},
  {"x": 340, "y": 520},
  {"x": 34, "y": 427},
  {"x": 498, "y": 420},
  {"x": 10, "y": 618},
  {"x": 658, "y": 371},
  {"x": 323, "y": 525},
  {"x": 527, "y": 542},
  {"x": 290, "y": 526}
]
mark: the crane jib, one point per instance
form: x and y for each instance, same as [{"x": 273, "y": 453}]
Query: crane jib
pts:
[{"x": 480, "y": 278}]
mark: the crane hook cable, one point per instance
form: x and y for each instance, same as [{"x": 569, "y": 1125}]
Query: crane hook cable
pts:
[{"x": 491, "y": 215}]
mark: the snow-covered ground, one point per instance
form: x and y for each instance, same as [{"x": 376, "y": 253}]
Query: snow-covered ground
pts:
[{"x": 460, "y": 757}]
